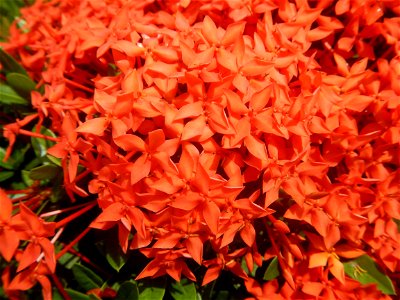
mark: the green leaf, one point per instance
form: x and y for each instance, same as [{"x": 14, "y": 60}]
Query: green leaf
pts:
[
  {"x": 397, "y": 223},
  {"x": 37, "y": 161},
  {"x": 21, "y": 83},
  {"x": 68, "y": 260},
  {"x": 152, "y": 293},
  {"x": 152, "y": 289},
  {"x": 26, "y": 178},
  {"x": 272, "y": 271},
  {"x": 77, "y": 295},
  {"x": 72, "y": 293},
  {"x": 364, "y": 270},
  {"x": 10, "y": 64},
  {"x": 15, "y": 160},
  {"x": 183, "y": 290},
  {"x": 56, "y": 295},
  {"x": 4, "y": 175},
  {"x": 8, "y": 96},
  {"x": 115, "y": 257},
  {"x": 10, "y": 163},
  {"x": 57, "y": 191},
  {"x": 9, "y": 8},
  {"x": 39, "y": 145},
  {"x": 54, "y": 160},
  {"x": 222, "y": 295},
  {"x": 4, "y": 24},
  {"x": 86, "y": 278},
  {"x": 44, "y": 172},
  {"x": 244, "y": 267},
  {"x": 128, "y": 290}
]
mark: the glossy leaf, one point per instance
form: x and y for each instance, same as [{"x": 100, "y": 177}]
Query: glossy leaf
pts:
[
  {"x": 152, "y": 293},
  {"x": 9, "y": 63},
  {"x": 27, "y": 180},
  {"x": 77, "y": 295},
  {"x": 68, "y": 260},
  {"x": 222, "y": 295},
  {"x": 21, "y": 83},
  {"x": 72, "y": 293},
  {"x": 9, "y": 96},
  {"x": 128, "y": 290},
  {"x": 183, "y": 290},
  {"x": 272, "y": 270},
  {"x": 115, "y": 257},
  {"x": 44, "y": 172},
  {"x": 152, "y": 289},
  {"x": 86, "y": 278},
  {"x": 39, "y": 145},
  {"x": 4, "y": 175},
  {"x": 397, "y": 223},
  {"x": 246, "y": 269},
  {"x": 365, "y": 270},
  {"x": 15, "y": 160}
]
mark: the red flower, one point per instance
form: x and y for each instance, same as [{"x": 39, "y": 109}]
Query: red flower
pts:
[
  {"x": 31, "y": 228},
  {"x": 9, "y": 239},
  {"x": 26, "y": 279}
]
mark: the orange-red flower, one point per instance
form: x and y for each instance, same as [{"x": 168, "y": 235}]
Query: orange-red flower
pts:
[{"x": 9, "y": 239}]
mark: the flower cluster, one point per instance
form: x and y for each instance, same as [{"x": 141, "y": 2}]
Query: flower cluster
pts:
[{"x": 255, "y": 129}]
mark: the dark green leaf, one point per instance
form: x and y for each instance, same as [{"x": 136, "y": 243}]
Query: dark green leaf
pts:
[
  {"x": 398, "y": 224},
  {"x": 15, "y": 160},
  {"x": 54, "y": 160},
  {"x": 21, "y": 83},
  {"x": 18, "y": 185},
  {"x": 26, "y": 178},
  {"x": 39, "y": 145},
  {"x": 77, "y": 295},
  {"x": 4, "y": 175},
  {"x": 222, "y": 295},
  {"x": 8, "y": 96},
  {"x": 57, "y": 191},
  {"x": 68, "y": 260},
  {"x": 86, "y": 278},
  {"x": 183, "y": 290},
  {"x": 56, "y": 295},
  {"x": 115, "y": 257},
  {"x": 10, "y": 64},
  {"x": 9, "y": 8},
  {"x": 114, "y": 285},
  {"x": 152, "y": 293},
  {"x": 152, "y": 289},
  {"x": 37, "y": 161},
  {"x": 244, "y": 267},
  {"x": 4, "y": 23},
  {"x": 73, "y": 294},
  {"x": 364, "y": 270},
  {"x": 272, "y": 271},
  {"x": 128, "y": 290},
  {"x": 44, "y": 172}
]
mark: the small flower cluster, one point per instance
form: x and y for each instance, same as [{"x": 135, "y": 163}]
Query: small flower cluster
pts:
[{"x": 258, "y": 129}]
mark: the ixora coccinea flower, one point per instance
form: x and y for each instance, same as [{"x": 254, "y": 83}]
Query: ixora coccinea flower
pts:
[
  {"x": 8, "y": 237},
  {"x": 253, "y": 137}
]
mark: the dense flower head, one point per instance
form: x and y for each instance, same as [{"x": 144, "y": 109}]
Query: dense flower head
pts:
[{"x": 200, "y": 123}]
